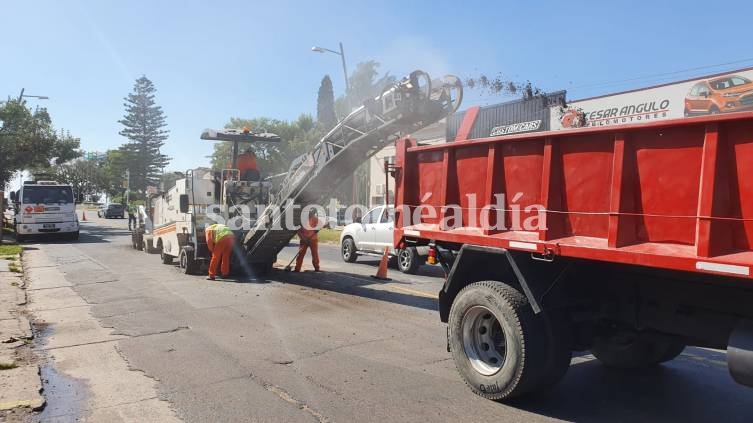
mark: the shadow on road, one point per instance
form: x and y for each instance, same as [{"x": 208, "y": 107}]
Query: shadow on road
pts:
[
  {"x": 674, "y": 391},
  {"x": 356, "y": 285}
]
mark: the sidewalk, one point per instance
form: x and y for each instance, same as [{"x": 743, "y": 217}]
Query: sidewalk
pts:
[{"x": 20, "y": 384}]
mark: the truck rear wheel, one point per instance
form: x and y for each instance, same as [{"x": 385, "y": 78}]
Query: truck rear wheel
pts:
[
  {"x": 500, "y": 347},
  {"x": 187, "y": 261},
  {"x": 634, "y": 350}
]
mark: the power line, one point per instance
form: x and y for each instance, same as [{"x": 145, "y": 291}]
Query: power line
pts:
[{"x": 638, "y": 78}]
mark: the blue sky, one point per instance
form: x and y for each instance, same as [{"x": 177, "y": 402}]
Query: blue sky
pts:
[{"x": 214, "y": 60}]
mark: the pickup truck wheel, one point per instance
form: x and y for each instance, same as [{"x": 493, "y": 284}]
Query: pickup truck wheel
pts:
[
  {"x": 348, "y": 250},
  {"x": 408, "y": 260},
  {"x": 187, "y": 262},
  {"x": 633, "y": 350},
  {"x": 498, "y": 344}
]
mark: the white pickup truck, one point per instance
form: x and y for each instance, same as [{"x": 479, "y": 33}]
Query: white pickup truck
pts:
[{"x": 372, "y": 234}]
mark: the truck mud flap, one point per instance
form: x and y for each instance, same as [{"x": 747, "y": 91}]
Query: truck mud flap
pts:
[{"x": 740, "y": 353}]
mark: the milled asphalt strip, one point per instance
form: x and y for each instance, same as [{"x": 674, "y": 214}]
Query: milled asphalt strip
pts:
[{"x": 112, "y": 388}]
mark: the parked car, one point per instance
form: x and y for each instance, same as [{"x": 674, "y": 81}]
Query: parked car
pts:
[
  {"x": 111, "y": 211},
  {"x": 726, "y": 94},
  {"x": 372, "y": 234}
]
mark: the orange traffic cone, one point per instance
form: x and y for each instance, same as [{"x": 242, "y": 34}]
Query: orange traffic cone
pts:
[
  {"x": 382, "y": 271},
  {"x": 83, "y": 215}
]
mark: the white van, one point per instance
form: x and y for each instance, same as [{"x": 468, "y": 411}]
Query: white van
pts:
[{"x": 44, "y": 208}]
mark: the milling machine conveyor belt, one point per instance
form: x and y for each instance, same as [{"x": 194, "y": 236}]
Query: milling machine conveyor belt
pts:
[{"x": 400, "y": 110}]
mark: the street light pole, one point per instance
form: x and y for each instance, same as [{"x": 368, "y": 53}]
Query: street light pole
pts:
[
  {"x": 345, "y": 74},
  {"x": 340, "y": 53},
  {"x": 22, "y": 95}
]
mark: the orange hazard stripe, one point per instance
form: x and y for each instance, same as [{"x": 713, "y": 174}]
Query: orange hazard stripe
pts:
[{"x": 165, "y": 229}]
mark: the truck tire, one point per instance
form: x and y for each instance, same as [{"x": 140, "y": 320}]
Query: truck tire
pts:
[
  {"x": 348, "y": 250},
  {"x": 188, "y": 264},
  {"x": 634, "y": 350},
  {"x": 408, "y": 260},
  {"x": 166, "y": 258},
  {"x": 560, "y": 336},
  {"x": 497, "y": 342}
]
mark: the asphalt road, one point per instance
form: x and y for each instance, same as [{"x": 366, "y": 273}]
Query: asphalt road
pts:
[{"x": 341, "y": 346}]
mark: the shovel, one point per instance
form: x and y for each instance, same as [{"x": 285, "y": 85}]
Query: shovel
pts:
[{"x": 288, "y": 268}]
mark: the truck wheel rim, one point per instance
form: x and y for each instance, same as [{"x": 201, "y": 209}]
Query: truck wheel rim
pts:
[
  {"x": 483, "y": 340},
  {"x": 183, "y": 260},
  {"x": 405, "y": 259}
]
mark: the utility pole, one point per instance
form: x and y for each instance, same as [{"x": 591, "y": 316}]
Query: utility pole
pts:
[{"x": 128, "y": 186}]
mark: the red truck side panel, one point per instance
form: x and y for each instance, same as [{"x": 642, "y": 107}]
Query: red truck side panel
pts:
[{"x": 672, "y": 194}]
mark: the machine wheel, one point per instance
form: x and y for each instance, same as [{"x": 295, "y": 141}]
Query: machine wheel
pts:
[
  {"x": 675, "y": 348},
  {"x": 500, "y": 347},
  {"x": 714, "y": 110},
  {"x": 634, "y": 350},
  {"x": 348, "y": 250},
  {"x": 260, "y": 269},
  {"x": 408, "y": 260},
  {"x": 146, "y": 246},
  {"x": 187, "y": 261},
  {"x": 166, "y": 258}
]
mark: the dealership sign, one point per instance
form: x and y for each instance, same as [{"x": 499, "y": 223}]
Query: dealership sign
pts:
[{"x": 721, "y": 93}]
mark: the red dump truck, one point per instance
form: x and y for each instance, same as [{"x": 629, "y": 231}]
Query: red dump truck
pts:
[{"x": 632, "y": 242}]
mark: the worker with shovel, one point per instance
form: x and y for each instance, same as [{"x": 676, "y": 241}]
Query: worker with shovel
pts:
[
  {"x": 220, "y": 241},
  {"x": 308, "y": 239}
]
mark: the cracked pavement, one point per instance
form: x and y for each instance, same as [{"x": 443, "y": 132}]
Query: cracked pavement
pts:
[{"x": 139, "y": 341}]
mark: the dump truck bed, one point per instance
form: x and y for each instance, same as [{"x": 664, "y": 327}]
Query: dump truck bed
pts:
[{"x": 674, "y": 194}]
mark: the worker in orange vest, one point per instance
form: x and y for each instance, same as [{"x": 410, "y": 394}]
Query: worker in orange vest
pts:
[
  {"x": 309, "y": 239},
  {"x": 247, "y": 166},
  {"x": 220, "y": 241}
]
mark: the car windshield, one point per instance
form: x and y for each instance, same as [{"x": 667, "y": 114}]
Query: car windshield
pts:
[
  {"x": 724, "y": 83},
  {"x": 115, "y": 207},
  {"x": 47, "y": 195}
]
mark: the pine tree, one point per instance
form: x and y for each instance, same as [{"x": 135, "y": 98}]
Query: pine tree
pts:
[
  {"x": 325, "y": 105},
  {"x": 143, "y": 123}
]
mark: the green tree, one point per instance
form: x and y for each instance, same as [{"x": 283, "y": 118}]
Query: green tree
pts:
[
  {"x": 298, "y": 137},
  {"x": 114, "y": 167},
  {"x": 28, "y": 140},
  {"x": 143, "y": 125},
  {"x": 87, "y": 177},
  {"x": 325, "y": 105}
]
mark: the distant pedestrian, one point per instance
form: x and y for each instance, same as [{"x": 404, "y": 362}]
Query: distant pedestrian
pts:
[
  {"x": 131, "y": 217},
  {"x": 220, "y": 241},
  {"x": 309, "y": 239}
]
